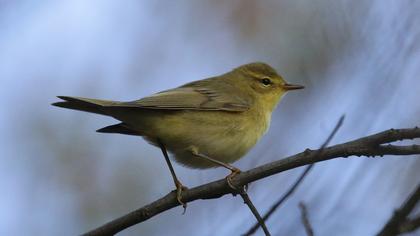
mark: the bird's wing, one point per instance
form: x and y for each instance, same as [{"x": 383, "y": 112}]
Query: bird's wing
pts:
[{"x": 199, "y": 95}]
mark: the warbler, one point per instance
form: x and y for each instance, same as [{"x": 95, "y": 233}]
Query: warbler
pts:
[{"x": 206, "y": 123}]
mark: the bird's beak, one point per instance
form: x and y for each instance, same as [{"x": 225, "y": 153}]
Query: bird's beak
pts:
[{"x": 292, "y": 86}]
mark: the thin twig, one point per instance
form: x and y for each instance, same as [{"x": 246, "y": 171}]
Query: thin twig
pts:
[
  {"x": 292, "y": 189},
  {"x": 367, "y": 146},
  {"x": 393, "y": 226},
  {"x": 277, "y": 204},
  {"x": 305, "y": 219},
  {"x": 254, "y": 211}
]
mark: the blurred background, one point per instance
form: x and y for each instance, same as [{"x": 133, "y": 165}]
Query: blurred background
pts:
[{"x": 59, "y": 177}]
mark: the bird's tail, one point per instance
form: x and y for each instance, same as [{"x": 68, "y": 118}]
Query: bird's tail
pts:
[
  {"x": 84, "y": 104},
  {"x": 120, "y": 128}
]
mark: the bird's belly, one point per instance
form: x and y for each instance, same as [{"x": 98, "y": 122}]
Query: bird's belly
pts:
[
  {"x": 225, "y": 140},
  {"x": 223, "y": 136},
  {"x": 224, "y": 149}
]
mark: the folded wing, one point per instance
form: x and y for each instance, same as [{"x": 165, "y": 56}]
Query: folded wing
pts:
[{"x": 199, "y": 95}]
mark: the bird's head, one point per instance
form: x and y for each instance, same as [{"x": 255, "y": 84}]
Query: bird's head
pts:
[{"x": 263, "y": 82}]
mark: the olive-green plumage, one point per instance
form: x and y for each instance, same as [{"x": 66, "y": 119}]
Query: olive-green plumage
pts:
[{"x": 221, "y": 117}]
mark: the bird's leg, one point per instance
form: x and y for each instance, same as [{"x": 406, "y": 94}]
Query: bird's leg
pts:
[
  {"x": 179, "y": 186},
  {"x": 234, "y": 170}
]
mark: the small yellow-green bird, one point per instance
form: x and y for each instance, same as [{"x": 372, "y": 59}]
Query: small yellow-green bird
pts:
[{"x": 205, "y": 123}]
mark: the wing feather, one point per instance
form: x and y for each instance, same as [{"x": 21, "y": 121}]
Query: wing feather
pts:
[{"x": 199, "y": 95}]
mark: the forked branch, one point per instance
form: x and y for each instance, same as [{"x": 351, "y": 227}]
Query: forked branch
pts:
[{"x": 293, "y": 188}]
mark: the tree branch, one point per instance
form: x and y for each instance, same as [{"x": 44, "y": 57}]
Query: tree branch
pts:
[
  {"x": 254, "y": 211},
  {"x": 305, "y": 219},
  {"x": 299, "y": 180},
  {"x": 399, "y": 222},
  {"x": 410, "y": 225},
  {"x": 367, "y": 146}
]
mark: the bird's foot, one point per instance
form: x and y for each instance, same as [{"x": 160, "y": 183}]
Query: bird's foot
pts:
[
  {"x": 229, "y": 178},
  {"x": 179, "y": 188}
]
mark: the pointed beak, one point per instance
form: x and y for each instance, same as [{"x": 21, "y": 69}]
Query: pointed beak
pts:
[{"x": 288, "y": 87}]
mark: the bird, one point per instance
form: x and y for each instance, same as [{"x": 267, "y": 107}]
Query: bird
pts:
[{"x": 203, "y": 124}]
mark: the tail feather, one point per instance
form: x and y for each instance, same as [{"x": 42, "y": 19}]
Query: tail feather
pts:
[
  {"x": 84, "y": 104},
  {"x": 120, "y": 128}
]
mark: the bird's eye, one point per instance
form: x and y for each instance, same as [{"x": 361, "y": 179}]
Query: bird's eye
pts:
[{"x": 266, "y": 81}]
